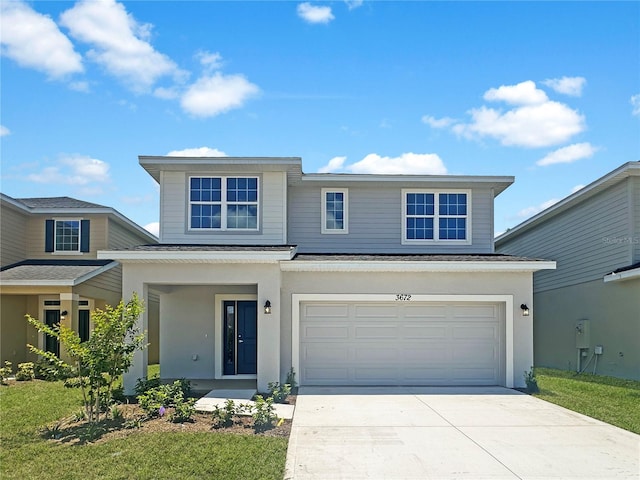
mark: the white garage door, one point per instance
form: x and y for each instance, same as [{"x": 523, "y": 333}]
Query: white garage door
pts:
[{"x": 401, "y": 344}]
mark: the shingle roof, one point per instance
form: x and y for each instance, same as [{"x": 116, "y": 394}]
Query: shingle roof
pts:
[
  {"x": 57, "y": 202},
  {"x": 427, "y": 257},
  {"x": 51, "y": 272},
  {"x": 165, "y": 247}
]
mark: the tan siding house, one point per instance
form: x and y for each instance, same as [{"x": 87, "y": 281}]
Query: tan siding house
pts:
[{"x": 50, "y": 268}]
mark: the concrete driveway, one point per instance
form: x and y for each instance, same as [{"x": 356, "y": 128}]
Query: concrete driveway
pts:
[{"x": 450, "y": 432}]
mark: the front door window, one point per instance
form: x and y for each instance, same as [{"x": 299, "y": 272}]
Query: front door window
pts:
[{"x": 240, "y": 337}]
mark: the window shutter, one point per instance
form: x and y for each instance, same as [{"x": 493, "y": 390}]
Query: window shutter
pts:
[
  {"x": 49, "y": 235},
  {"x": 84, "y": 235}
]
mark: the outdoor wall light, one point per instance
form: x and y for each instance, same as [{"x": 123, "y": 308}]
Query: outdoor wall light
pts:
[
  {"x": 63, "y": 314},
  {"x": 525, "y": 310},
  {"x": 267, "y": 307}
]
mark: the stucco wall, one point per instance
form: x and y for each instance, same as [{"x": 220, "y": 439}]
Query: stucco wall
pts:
[
  {"x": 519, "y": 285},
  {"x": 613, "y": 311},
  {"x": 13, "y": 329}
]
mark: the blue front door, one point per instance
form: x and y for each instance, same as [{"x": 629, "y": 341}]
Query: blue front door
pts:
[
  {"x": 240, "y": 337},
  {"x": 52, "y": 320}
]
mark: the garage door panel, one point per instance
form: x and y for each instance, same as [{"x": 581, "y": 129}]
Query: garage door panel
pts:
[
  {"x": 322, "y": 332},
  {"x": 417, "y": 332},
  {"x": 340, "y": 311},
  {"x": 382, "y": 332},
  {"x": 420, "y": 344},
  {"x": 476, "y": 332}
]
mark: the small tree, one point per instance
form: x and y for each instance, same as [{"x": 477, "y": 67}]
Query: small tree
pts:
[{"x": 107, "y": 354}]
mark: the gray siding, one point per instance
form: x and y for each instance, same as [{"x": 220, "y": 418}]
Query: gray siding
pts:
[
  {"x": 587, "y": 241},
  {"x": 174, "y": 212},
  {"x": 375, "y": 222},
  {"x": 635, "y": 206},
  {"x": 12, "y": 238}
]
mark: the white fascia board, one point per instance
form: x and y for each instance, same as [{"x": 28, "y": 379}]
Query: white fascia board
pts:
[
  {"x": 355, "y": 266},
  {"x": 195, "y": 256},
  {"x": 619, "y": 277}
]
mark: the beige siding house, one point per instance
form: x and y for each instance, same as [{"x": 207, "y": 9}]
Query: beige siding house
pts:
[
  {"x": 50, "y": 269},
  {"x": 587, "y": 315},
  {"x": 346, "y": 279}
]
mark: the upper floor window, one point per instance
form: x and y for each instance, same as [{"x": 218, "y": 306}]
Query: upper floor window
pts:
[
  {"x": 335, "y": 210},
  {"x": 430, "y": 216},
  {"x": 67, "y": 235},
  {"x": 223, "y": 203}
]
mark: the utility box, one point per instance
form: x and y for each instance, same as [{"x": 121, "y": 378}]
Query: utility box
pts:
[{"x": 583, "y": 334}]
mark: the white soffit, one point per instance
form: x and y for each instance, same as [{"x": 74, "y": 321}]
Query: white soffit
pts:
[
  {"x": 621, "y": 276},
  {"x": 195, "y": 256}
]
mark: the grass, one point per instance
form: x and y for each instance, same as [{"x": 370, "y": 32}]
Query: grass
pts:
[
  {"x": 27, "y": 407},
  {"x": 612, "y": 400}
]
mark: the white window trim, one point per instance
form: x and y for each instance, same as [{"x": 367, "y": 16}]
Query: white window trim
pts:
[
  {"x": 223, "y": 204},
  {"x": 55, "y": 242},
  {"x": 323, "y": 227},
  {"x": 436, "y": 230}
]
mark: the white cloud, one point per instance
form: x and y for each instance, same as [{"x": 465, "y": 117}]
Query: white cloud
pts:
[
  {"x": 34, "y": 41},
  {"x": 543, "y": 125},
  {"x": 533, "y": 121},
  {"x": 313, "y": 14},
  {"x": 335, "y": 164},
  {"x": 4, "y": 131},
  {"x": 79, "y": 86},
  {"x": 353, "y": 4},
  {"x": 567, "y": 85},
  {"x": 433, "y": 122},
  {"x": 153, "y": 227},
  {"x": 635, "y": 103},
  {"x": 197, "y": 152},
  {"x": 212, "y": 95},
  {"x": 211, "y": 61},
  {"x": 120, "y": 43},
  {"x": 576, "y": 188},
  {"x": 569, "y": 154},
  {"x": 530, "y": 211},
  {"x": 524, "y": 93},
  {"x": 79, "y": 170}
]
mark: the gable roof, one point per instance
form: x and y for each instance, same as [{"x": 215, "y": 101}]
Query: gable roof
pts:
[
  {"x": 629, "y": 169},
  {"x": 69, "y": 205}
]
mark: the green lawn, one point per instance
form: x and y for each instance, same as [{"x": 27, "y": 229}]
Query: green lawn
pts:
[
  {"x": 26, "y": 407},
  {"x": 609, "y": 399}
]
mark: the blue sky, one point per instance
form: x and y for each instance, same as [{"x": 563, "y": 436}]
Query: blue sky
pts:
[{"x": 548, "y": 92}]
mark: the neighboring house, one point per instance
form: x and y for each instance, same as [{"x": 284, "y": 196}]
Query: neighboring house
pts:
[
  {"x": 347, "y": 279},
  {"x": 588, "y": 310},
  {"x": 49, "y": 269}
]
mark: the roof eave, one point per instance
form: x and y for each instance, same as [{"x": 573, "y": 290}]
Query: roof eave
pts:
[{"x": 404, "y": 266}]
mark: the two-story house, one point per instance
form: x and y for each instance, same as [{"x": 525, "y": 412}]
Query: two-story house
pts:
[
  {"x": 347, "y": 279},
  {"x": 588, "y": 310},
  {"x": 50, "y": 269}
]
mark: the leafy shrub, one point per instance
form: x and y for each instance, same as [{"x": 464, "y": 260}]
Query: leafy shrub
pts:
[
  {"x": 25, "y": 372},
  {"x": 291, "y": 378},
  {"x": 279, "y": 393},
  {"x": 183, "y": 410},
  {"x": 263, "y": 414},
  {"x": 145, "y": 384},
  {"x": 531, "y": 381},
  {"x": 50, "y": 371},
  {"x": 163, "y": 396},
  {"x": 5, "y": 372},
  {"x": 223, "y": 417},
  {"x": 116, "y": 413}
]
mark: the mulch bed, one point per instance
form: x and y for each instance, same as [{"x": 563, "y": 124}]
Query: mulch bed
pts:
[{"x": 133, "y": 420}]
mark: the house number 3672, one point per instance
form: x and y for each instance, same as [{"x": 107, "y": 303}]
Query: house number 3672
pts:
[{"x": 403, "y": 297}]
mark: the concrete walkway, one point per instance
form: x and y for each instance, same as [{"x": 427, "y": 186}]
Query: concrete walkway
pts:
[
  {"x": 450, "y": 433},
  {"x": 218, "y": 398}
]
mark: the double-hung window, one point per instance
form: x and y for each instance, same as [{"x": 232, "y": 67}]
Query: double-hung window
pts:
[
  {"x": 436, "y": 216},
  {"x": 335, "y": 211},
  {"x": 223, "y": 203},
  {"x": 67, "y": 235}
]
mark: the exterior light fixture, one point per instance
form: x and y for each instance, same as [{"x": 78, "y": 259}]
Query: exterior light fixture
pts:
[
  {"x": 525, "y": 310},
  {"x": 63, "y": 314},
  {"x": 267, "y": 307}
]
